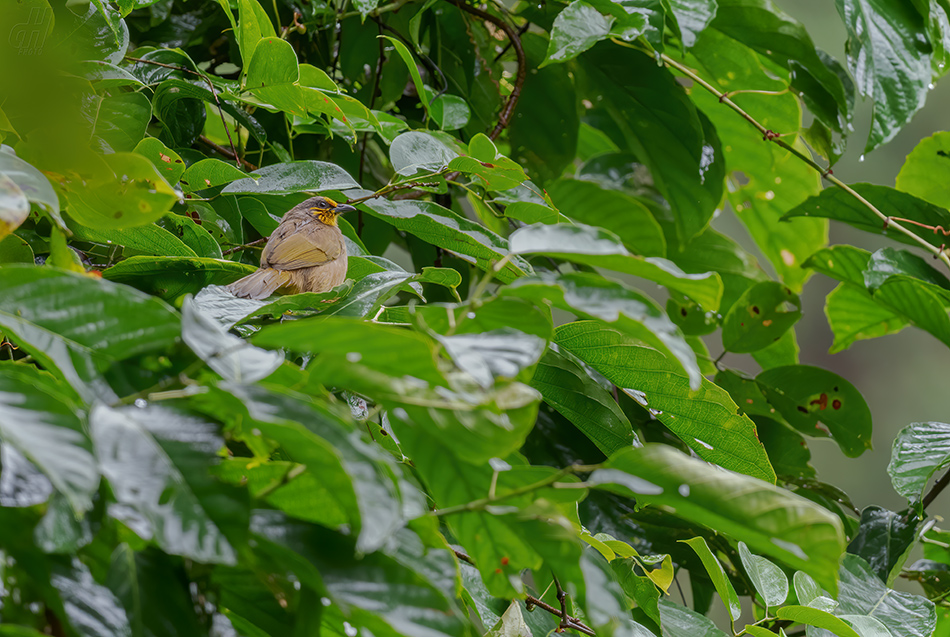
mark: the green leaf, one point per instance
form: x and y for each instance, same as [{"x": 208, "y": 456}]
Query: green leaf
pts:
[
  {"x": 818, "y": 618},
  {"x": 446, "y": 229},
  {"x": 362, "y": 478},
  {"x": 410, "y": 63},
  {"x": 39, "y": 421},
  {"x": 157, "y": 460},
  {"x": 495, "y": 354},
  {"x": 596, "y": 247},
  {"x": 820, "y": 403},
  {"x": 252, "y": 26},
  {"x": 14, "y": 206},
  {"x": 712, "y": 251},
  {"x": 170, "y": 277},
  {"x": 760, "y": 25},
  {"x": 150, "y": 239},
  {"x": 884, "y": 539},
  {"x": 91, "y": 608},
  {"x": 577, "y": 28},
  {"x": 760, "y": 317},
  {"x": 450, "y": 112},
  {"x": 718, "y": 576},
  {"x": 127, "y": 192},
  {"x": 32, "y": 183},
  {"x": 13, "y": 249},
  {"x": 590, "y": 203},
  {"x": 862, "y": 593},
  {"x": 543, "y": 129},
  {"x": 679, "y": 621},
  {"x": 769, "y": 580},
  {"x": 197, "y": 238},
  {"x": 771, "y": 520},
  {"x": 569, "y": 388},
  {"x": 168, "y": 162},
  {"x": 706, "y": 419},
  {"x": 292, "y": 177},
  {"x": 626, "y": 311},
  {"x": 665, "y": 130},
  {"x": 887, "y": 61},
  {"x": 120, "y": 122},
  {"x": 926, "y": 167},
  {"x": 854, "y": 315},
  {"x": 273, "y": 62},
  {"x": 834, "y": 203},
  {"x": 920, "y": 450},
  {"x": 105, "y": 323},
  {"x": 209, "y": 173},
  {"x": 231, "y": 357},
  {"x": 691, "y": 18},
  {"x": 415, "y": 152}
]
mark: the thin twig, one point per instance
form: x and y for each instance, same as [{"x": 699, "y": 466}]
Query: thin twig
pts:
[
  {"x": 504, "y": 118},
  {"x": 214, "y": 94},
  {"x": 372, "y": 102},
  {"x": 771, "y": 136},
  {"x": 531, "y": 600},
  {"x": 227, "y": 153},
  {"x": 244, "y": 246}
]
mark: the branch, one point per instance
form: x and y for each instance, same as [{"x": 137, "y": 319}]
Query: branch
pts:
[
  {"x": 505, "y": 116},
  {"x": 935, "y": 490},
  {"x": 770, "y": 136},
  {"x": 214, "y": 94},
  {"x": 227, "y": 153},
  {"x": 530, "y": 600}
]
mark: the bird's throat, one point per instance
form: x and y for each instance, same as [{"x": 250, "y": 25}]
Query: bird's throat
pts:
[{"x": 326, "y": 216}]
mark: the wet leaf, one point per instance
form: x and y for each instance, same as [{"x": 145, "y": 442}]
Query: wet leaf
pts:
[
  {"x": 760, "y": 317},
  {"x": 920, "y": 450},
  {"x": 884, "y": 539},
  {"x": 769, "y": 580},
  {"x": 820, "y": 403},
  {"x": 718, "y": 576}
]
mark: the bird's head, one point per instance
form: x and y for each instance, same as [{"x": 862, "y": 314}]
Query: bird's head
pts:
[{"x": 325, "y": 209}]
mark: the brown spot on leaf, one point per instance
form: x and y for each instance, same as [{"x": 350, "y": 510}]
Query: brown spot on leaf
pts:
[
  {"x": 117, "y": 214},
  {"x": 766, "y": 322},
  {"x": 836, "y": 404}
]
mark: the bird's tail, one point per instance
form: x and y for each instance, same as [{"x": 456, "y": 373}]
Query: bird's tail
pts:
[{"x": 260, "y": 284}]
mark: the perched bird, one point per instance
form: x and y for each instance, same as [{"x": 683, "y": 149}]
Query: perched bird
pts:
[{"x": 306, "y": 253}]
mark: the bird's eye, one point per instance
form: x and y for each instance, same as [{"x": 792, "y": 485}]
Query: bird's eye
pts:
[{"x": 322, "y": 204}]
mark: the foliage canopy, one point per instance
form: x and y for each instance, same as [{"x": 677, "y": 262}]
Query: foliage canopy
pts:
[{"x": 489, "y": 416}]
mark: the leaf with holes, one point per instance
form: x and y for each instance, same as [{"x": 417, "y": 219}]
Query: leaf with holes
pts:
[{"x": 760, "y": 317}]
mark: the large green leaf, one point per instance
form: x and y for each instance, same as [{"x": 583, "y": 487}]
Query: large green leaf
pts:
[
  {"x": 926, "y": 168},
  {"x": 691, "y": 17},
  {"x": 630, "y": 313},
  {"x": 14, "y": 206},
  {"x": 446, "y": 229},
  {"x": 150, "y": 239},
  {"x": 157, "y": 461},
  {"x": 884, "y": 539},
  {"x": 887, "y": 61},
  {"x": 577, "y": 28},
  {"x": 818, "y": 618},
  {"x": 40, "y": 422},
  {"x": 769, "y": 519},
  {"x": 706, "y": 418},
  {"x": 853, "y": 315},
  {"x": 769, "y": 580},
  {"x": 818, "y": 402},
  {"x": 836, "y": 204},
  {"x": 362, "y": 478},
  {"x": 126, "y": 191},
  {"x": 727, "y": 593},
  {"x": 104, "y": 323},
  {"x": 596, "y": 247},
  {"x": 627, "y": 217},
  {"x": 760, "y": 317},
  {"x": 31, "y": 182},
  {"x": 91, "y": 608},
  {"x": 862, "y": 593},
  {"x": 920, "y": 450},
  {"x": 170, "y": 277},
  {"x": 760, "y": 25},
  {"x": 568, "y": 387},
  {"x": 290, "y": 178},
  {"x": 662, "y": 126}
]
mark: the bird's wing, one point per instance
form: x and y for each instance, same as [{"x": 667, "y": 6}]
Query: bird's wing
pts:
[{"x": 304, "y": 246}]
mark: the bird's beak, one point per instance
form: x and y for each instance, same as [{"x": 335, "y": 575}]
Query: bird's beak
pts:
[{"x": 343, "y": 207}]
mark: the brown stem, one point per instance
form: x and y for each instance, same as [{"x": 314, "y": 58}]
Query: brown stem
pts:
[
  {"x": 504, "y": 117},
  {"x": 214, "y": 94},
  {"x": 227, "y": 153},
  {"x": 530, "y": 600},
  {"x": 935, "y": 490},
  {"x": 244, "y": 246}
]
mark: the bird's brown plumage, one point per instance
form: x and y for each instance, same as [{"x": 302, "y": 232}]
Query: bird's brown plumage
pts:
[{"x": 306, "y": 253}]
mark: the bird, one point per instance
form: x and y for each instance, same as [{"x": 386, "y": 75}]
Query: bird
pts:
[{"x": 305, "y": 253}]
